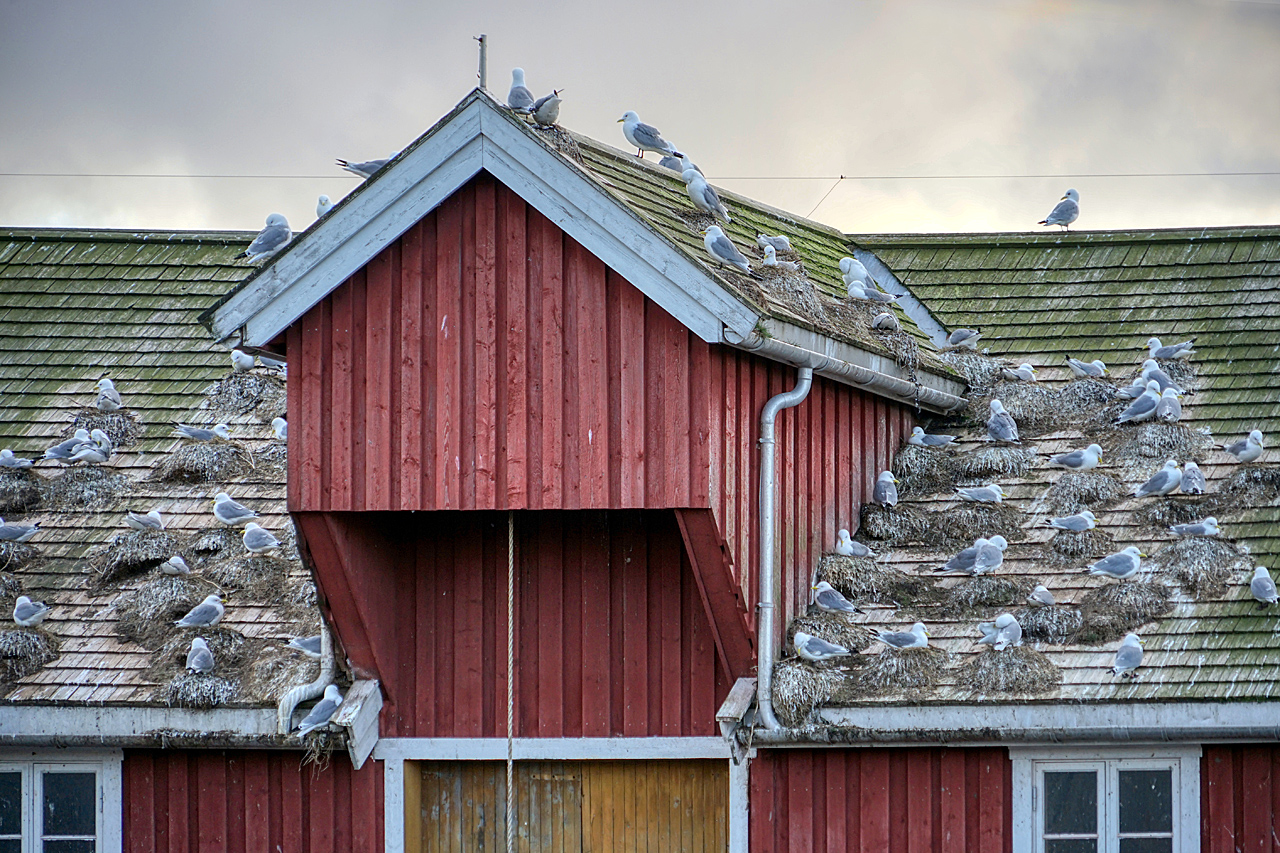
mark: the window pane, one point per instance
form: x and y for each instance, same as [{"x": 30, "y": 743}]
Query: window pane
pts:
[
  {"x": 69, "y": 847},
  {"x": 1146, "y": 845},
  {"x": 1146, "y": 801},
  {"x": 11, "y": 845},
  {"x": 69, "y": 800},
  {"x": 1074, "y": 845},
  {"x": 10, "y": 804},
  {"x": 1071, "y": 804}
]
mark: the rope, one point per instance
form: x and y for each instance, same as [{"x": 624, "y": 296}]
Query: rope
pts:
[{"x": 511, "y": 645}]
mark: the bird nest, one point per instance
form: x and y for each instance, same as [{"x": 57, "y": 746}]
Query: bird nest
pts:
[
  {"x": 958, "y": 525},
  {"x": 1256, "y": 483},
  {"x": 893, "y": 524},
  {"x": 208, "y": 546},
  {"x": 146, "y": 615},
  {"x": 17, "y": 555},
  {"x": 1077, "y": 490},
  {"x": 1055, "y": 624},
  {"x": 561, "y": 141},
  {"x": 88, "y": 487},
  {"x": 1032, "y": 406},
  {"x": 273, "y": 672},
  {"x": 260, "y": 395},
  {"x": 897, "y": 670},
  {"x": 1109, "y": 612},
  {"x": 257, "y": 577},
  {"x": 10, "y": 589},
  {"x": 271, "y": 462},
  {"x": 929, "y": 470},
  {"x": 983, "y": 593},
  {"x": 19, "y": 492},
  {"x": 1201, "y": 565},
  {"x": 23, "y": 651},
  {"x": 203, "y": 462},
  {"x": 832, "y": 627},
  {"x": 800, "y": 686},
  {"x": 862, "y": 579},
  {"x": 122, "y": 427},
  {"x": 1017, "y": 669},
  {"x": 1154, "y": 442},
  {"x": 981, "y": 371},
  {"x": 1073, "y": 546},
  {"x": 1181, "y": 371},
  {"x": 130, "y": 553},
  {"x": 993, "y": 463},
  {"x": 199, "y": 690},
  {"x": 232, "y": 651},
  {"x": 1161, "y": 513}
]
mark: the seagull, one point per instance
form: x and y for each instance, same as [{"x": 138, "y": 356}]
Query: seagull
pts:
[
  {"x": 29, "y": 614},
  {"x": 323, "y": 206},
  {"x": 150, "y": 521},
  {"x": 367, "y": 168},
  {"x": 1181, "y": 350},
  {"x": 241, "y": 361},
  {"x": 175, "y": 565},
  {"x": 1084, "y": 369},
  {"x": 816, "y": 648},
  {"x": 1193, "y": 482},
  {"x": 1120, "y": 565},
  {"x": 829, "y": 599},
  {"x": 991, "y": 493},
  {"x": 721, "y": 248},
  {"x": 990, "y": 556},
  {"x": 964, "y": 338},
  {"x": 1164, "y": 481},
  {"x": 871, "y": 292},
  {"x": 274, "y": 236},
  {"x": 1134, "y": 391},
  {"x": 281, "y": 428},
  {"x": 309, "y": 646},
  {"x": 1078, "y": 523},
  {"x": 672, "y": 163},
  {"x": 1168, "y": 409},
  {"x": 230, "y": 512},
  {"x": 1151, "y": 370},
  {"x": 920, "y": 438},
  {"x": 199, "y": 658},
  {"x": 703, "y": 196},
  {"x": 1262, "y": 587},
  {"x": 1128, "y": 656},
  {"x": 968, "y": 559},
  {"x": 546, "y": 110},
  {"x": 1246, "y": 449},
  {"x": 221, "y": 431},
  {"x": 1143, "y": 408},
  {"x": 847, "y": 547},
  {"x": 988, "y": 631},
  {"x": 1004, "y": 632},
  {"x": 916, "y": 638},
  {"x": 853, "y": 272},
  {"x": 108, "y": 397},
  {"x": 884, "y": 321},
  {"x": 17, "y": 532},
  {"x": 645, "y": 137},
  {"x": 1078, "y": 460},
  {"x": 206, "y": 613},
  {"x": 780, "y": 243},
  {"x": 885, "y": 492},
  {"x": 8, "y": 460},
  {"x": 1065, "y": 211},
  {"x": 519, "y": 98},
  {"x": 1021, "y": 373},
  {"x": 322, "y": 713},
  {"x": 1001, "y": 425},
  {"x": 259, "y": 540},
  {"x": 1204, "y": 527},
  {"x": 771, "y": 260},
  {"x": 63, "y": 449},
  {"x": 96, "y": 452},
  {"x": 1041, "y": 596}
]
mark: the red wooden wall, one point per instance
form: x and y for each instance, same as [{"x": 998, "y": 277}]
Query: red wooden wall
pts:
[
  {"x": 612, "y": 635},
  {"x": 881, "y": 800},
  {"x": 232, "y": 801},
  {"x": 1240, "y": 799}
]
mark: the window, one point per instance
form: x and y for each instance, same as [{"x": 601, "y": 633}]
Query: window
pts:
[
  {"x": 60, "y": 802},
  {"x": 1113, "y": 801}
]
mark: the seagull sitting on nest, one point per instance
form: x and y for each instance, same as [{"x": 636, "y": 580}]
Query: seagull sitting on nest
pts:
[
  {"x": 704, "y": 196},
  {"x": 1022, "y": 373},
  {"x": 884, "y": 321},
  {"x": 1078, "y": 460},
  {"x": 1083, "y": 369},
  {"x": 916, "y": 638},
  {"x": 201, "y": 434},
  {"x": 1121, "y": 565},
  {"x": 150, "y": 521},
  {"x": 1143, "y": 408},
  {"x": 199, "y": 658},
  {"x": 1078, "y": 523},
  {"x": 920, "y": 438},
  {"x": 829, "y": 599},
  {"x": 780, "y": 243},
  {"x": 816, "y": 648},
  {"x": 991, "y": 493},
  {"x": 771, "y": 260},
  {"x": 1041, "y": 596},
  {"x": 175, "y": 565},
  {"x": 241, "y": 361},
  {"x": 28, "y": 613},
  {"x": 206, "y": 613},
  {"x": 108, "y": 397},
  {"x": 322, "y": 713},
  {"x": 1001, "y": 426},
  {"x": 1204, "y": 527},
  {"x": 258, "y": 540},
  {"x": 1193, "y": 482},
  {"x": 847, "y": 547},
  {"x": 885, "y": 492},
  {"x": 964, "y": 338},
  {"x": 1164, "y": 481}
]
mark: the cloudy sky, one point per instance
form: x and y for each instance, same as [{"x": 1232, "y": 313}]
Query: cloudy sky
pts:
[{"x": 772, "y": 100}]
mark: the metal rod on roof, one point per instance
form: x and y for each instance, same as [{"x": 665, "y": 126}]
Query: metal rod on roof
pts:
[{"x": 484, "y": 61}]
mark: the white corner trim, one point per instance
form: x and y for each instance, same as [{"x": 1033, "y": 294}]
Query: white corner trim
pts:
[
  {"x": 550, "y": 749},
  {"x": 42, "y": 724},
  {"x": 393, "y": 804},
  {"x": 739, "y": 805}
]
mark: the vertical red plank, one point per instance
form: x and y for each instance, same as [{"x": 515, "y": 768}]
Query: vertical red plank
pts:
[
  {"x": 468, "y": 619},
  {"x": 466, "y": 338},
  {"x": 633, "y": 567},
  {"x": 408, "y": 452},
  {"x": 303, "y": 410},
  {"x": 513, "y": 284},
  {"x": 679, "y": 422},
  {"x": 834, "y": 801},
  {"x": 293, "y": 813},
  {"x": 448, "y": 555},
  {"x": 447, "y": 360},
  {"x": 376, "y": 366},
  {"x": 626, "y": 331},
  {"x": 366, "y": 808},
  {"x": 593, "y": 424},
  {"x": 1257, "y": 819},
  {"x": 342, "y": 412},
  {"x": 546, "y": 629},
  {"x": 953, "y": 795},
  {"x": 800, "y": 800},
  {"x": 667, "y": 571},
  {"x": 320, "y": 802},
  {"x": 139, "y": 798},
  {"x": 600, "y": 558},
  {"x": 573, "y": 665},
  {"x": 991, "y": 800},
  {"x": 484, "y": 345},
  {"x": 426, "y": 572},
  {"x": 873, "y": 800},
  {"x": 700, "y": 392},
  {"x": 179, "y": 802},
  {"x": 256, "y": 802},
  {"x": 431, "y": 381},
  {"x": 552, "y": 344},
  {"x": 919, "y": 805},
  {"x": 237, "y": 815},
  {"x": 1217, "y": 785}
]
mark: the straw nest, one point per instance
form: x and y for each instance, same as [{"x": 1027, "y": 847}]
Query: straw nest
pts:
[
  {"x": 208, "y": 546},
  {"x": 131, "y": 553},
  {"x": 1056, "y": 624},
  {"x": 929, "y": 470},
  {"x": 1109, "y": 612},
  {"x": 88, "y": 487},
  {"x": 1072, "y": 546},
  {"x": 985, "y": 593},
  {"x": 10, "y": 589},
  {"x": 832, "y": 627},
  {"x": 1161, "y": 513},
  {"x": 1077, "y": 490},
  {"x": 273, "y": 672},
  {"x": 1201, "y": 565},
  {"x": 146, "y": 615},
  {"x": 122, "y": 427},
  {"x": 260, "y": 395},
  {"x": 203, "y": 462},
  {"x": 232, "y": 651},
  {"x": 1018, "y": 669},
  {"x": 864, "y": 580},
  {"x": 19, "y": 492},
  {"x": 957, "y": 525},
  {"x": 17, "y": 555},
  {"x": 897, "y": 670},
  {"x": 1145, "y": 447},
  {"x": 199, "y": 690},
  {"x": 271, "y": 462},
  {"x": 800, "y": 686},
  {"x": 23, "y": 651},
  {"x": 1085, "y": 404},
  {"x": 1181, "y": 371},
  {"x": 1256, "y": 483},
  {"x": 981, "y": 371},
  {"x": 258, "y": 577}
]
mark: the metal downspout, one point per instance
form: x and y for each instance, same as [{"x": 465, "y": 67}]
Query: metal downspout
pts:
[{"x": 765, "y": 652}]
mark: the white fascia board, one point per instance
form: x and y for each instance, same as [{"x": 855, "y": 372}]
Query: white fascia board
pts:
[
  {"x": 34, "y": 724},
  {"x": 550, "y": 749}
]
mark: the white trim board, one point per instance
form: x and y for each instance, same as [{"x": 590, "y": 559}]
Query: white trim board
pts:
[
  {"x": 550, "y": 749},
  {"x": 43, "y": 724}
]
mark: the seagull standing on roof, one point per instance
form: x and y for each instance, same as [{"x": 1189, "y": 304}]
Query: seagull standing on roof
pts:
[
  {"x": 322, "y": 713},
  {"x": 323, "y": 206},
  {"x": 853, "y": 272},
  {"x": 519, "y": 98},
  {"x": 722, "y": 250},
  {"x": 1247, "y": 449},
  {"x": 1158, "y": 350},
  {"x": 1263, "y": 587},
  {"x": 963, "y": 561},
  {"x": 8, "y": 460},
  {"x": 206, "y": 613},
  {"x": 231, "y": 513},
  {"x": 150, "y": 521},
  {"x": 1193, "y": 482},
  {"x": 780, "y": 243},
  {"x": 847, "y": 547},
  {"x": 1163, "y": 482},
  {"x": 199, "y": 658},
  {"x": 221, "y": 431},
  {"x": 816, "y": 649},
  {"x": 241, "y": 361},
  {"x": 281, "y": 428},
  {"x": 1078, "y": 523},
  {"x": 1128, "y": 656},
  {"x": 920, "y": 438},
  {"x": 1120, "y": 566},
  {"x": 1168, "y": 409},
  {"x": 645, "y": 137},
  {"x": 1002, "y": 633},
  {"x": 1065, "y": 211},
  {"x": 885, "y": 492},
  {"x": 367, "y": 168},
  {"x": 703, "y": 196},
  {"x": 1151, "y": 370},
  {"x": 1084, "y": 369},
  {"x": 108, "y": 397},
  {"x": 1001, "y": 426},
  {"x": 991, "y": 493},
  {"x": 1022, "y": 373},
  {"x": 546, "y": 110},
  {"x": 258, "y": 540},
  {"x": 829, "y": 599},
  {"x": 28, "y": 613},
  {"x": 274, "y": 236}
]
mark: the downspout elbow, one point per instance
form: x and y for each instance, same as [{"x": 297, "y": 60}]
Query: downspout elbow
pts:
[{"x": 311, "y": 690}]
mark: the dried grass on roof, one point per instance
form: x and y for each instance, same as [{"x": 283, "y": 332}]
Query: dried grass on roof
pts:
[
  {"x": 1111, "y": 611},
  {"x": 1018, "y": 669},
  {"x": 893, "y": 524},
  {"x": 146, "y": 615},
  {"x": 213, "y": 461},
  {"x": 234, "y": 656},
  {"x": 1055, "y": 624},
  {"x": 20, "y": 492},
  {"x": 1075, "y": 546},
  {"x": 1146, "y": 446},
  {"x": 17, "y": 555},
  {"x": 861, "y": 579},
  {"x": 981, "y": 371},
  {"x": 23, "y": 651},
  {"x": 208, "y": 546},
  {"x": 1034, "y": 407},
  {"x": 929, "y": 470},
  {"x": 321, "y": 744},
  {"x": 832, "y": 627},
  {"x": 254, "y": 393},
  {"x": 1182, "y": 371},
  {"x": 898, "y": 670},
  {"x": 256, "y": 577},
  {"x": 1257, "y": 483},
  {"x": 87, "y": 487},
  {"x": 1090, "y": 405},
  {"x": 1161, "y": 513},
  {"x": 800, "y": 686},
  {"x": 993, "y": 463},
  {"x": 10, "y": 589},
  {"x": 1201, "y": 565},
  {"x": 131, "y": 553},
  {"x": 122, "y": 427},
  {"x": 963, "y": 523},
  {"x": 273, "y": 672},
  {"x": 1077, "y": 490},
  {"x": 923, "y": 470},
  {"x": 560, "y": 141},
  {"x": 271, "y": 462},
  {"x": 199, "y": 690},
  {"x": 983, "y": 593}
]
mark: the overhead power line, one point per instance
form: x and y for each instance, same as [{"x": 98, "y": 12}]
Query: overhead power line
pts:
[{"x": 1063, "y": 176}]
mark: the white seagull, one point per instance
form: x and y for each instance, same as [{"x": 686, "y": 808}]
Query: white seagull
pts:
[
  {"x": 108, "y": 397},
  {"x": 281, "y": 428},
  {"x": 1078, "y": 523},
  {"x": 199, "y": 658},
  {"x": 991, "y": 493},
  {"x": 201, "y": 434},
  {"x": 704, "y": 196},
  {"x": 885, "y": 492},
  {"x": 323, "y": 206},
  {"x": 920, "y": 438},
  {"x": 722, "y": 250},
  {"x": 1065, "y": 211},
  {"x": 645, "y": 137},
  {"x": 816, "y": 648},
  {"x": 1128, "y": 656},
  {"x": 322, "y": 713},
  {"x": 916, "y": 638},
  {"x": 241, "y": 361},
  {"x": 1041, "y": 596},
  {"x": 1120, "y": 565},
  {"x": 1085, "y": 369},
  {"x": 847, "y": 547},
  {"x": 175, "y": 565},
  {"x": 1248, "y": 448},
  {"x": 149, "y": 521},
  {"x": 258, "y": 540},
  {"x": 206, "y": 613},
  {"x": 519, "y": 98},
  {"x": 1204, "y": 527},
  {"x": 829, "y": 599},
  {"x": 1181, "y": 350},
  {"x": 231, "y": 513},
  {"x": 1001, "y": 426},
  {"x": 273, "y": 237},
  {"x": 28, "y": 613},
  {"x": 1164, "y": 481},
  {"x": 1078, "y": 460},
  {"x": 1263, "y": 587}
]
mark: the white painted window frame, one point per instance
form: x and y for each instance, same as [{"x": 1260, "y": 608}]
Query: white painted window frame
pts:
[
  {"x": 1029, "y": 763},
  {"x": 107, "y": 764},
  {"x": 394, "y": 752}
]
